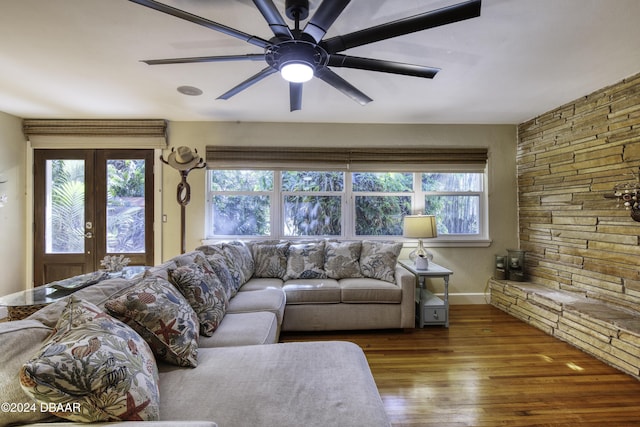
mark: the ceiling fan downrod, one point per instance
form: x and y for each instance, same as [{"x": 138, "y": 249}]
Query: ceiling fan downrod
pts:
[{"x": 297, "y": 10}]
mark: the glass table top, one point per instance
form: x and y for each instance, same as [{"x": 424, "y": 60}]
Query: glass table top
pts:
[{"x": 54, "y": 291}]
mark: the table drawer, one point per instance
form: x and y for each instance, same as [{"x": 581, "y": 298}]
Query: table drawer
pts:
[{"x": 434, "y": 314}]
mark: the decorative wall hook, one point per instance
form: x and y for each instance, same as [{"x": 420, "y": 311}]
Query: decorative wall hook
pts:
[
  {"x": 629, "y": 194},
  {"x": 184, "y": 160}
]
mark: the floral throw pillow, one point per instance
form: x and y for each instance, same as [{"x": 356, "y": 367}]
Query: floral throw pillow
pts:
[
  {"x": 306, "y": 261},
  {"x": 342, "y": 259},
  {"x": 218, "y": 264},
  {"x": 270, "y": 260},
  {"x": 378, "y": 260},
  {"x": 239, "y": 262},
  {"x": 159, "y": 313},
  {"x": 205, "y": 294},
  {"x": 93, "y": 368}
]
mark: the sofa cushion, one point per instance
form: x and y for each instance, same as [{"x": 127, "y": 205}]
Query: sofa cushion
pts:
[
  {"x": 306, "y": 261},
  {"x": 19, "y": 340},
  {"x": 258, "y": 284},
  {"x": 255, "y": 328},
  {"x": 272, "y": 300},
  {"x": 342, "y": 259},
  {"x": 162, "y": 316},
  {"x": 370, "y": 291},
  {"x": 378, "y": 259},
  {"x": 270, "y": 259},
  {"x": 94, "y": 368},
  {"x": 310, "y": 384},
  {"x": 312, "y": 291},
  {"x": 204, "y": 292}
]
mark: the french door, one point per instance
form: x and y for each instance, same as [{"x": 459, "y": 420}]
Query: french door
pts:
[{"x": 89, "y": 204}]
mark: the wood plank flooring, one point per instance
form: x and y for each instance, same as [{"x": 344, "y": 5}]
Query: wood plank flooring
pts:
[{"x": 490, "y": 369}]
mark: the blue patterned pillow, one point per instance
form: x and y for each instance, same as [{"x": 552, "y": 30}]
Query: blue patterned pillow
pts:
[
  {"x": 93, "y": 368},
  {"x": 204, "y": 292},
  {"x": 378, "y": 260},
  {"x": 306, "y": 261},
  {"x": 159, "y": 313},
  {"x": 239, "y": 262},
  {"x": 342, "y": 259},
  {"x": 270, "y": 260},
  {"x": 218, "y": 264}
]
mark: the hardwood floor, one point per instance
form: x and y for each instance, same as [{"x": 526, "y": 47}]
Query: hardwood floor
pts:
[{"x": 490, "y": 369}]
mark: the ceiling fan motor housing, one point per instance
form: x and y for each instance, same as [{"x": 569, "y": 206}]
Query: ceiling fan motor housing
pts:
[{"x": 296, "y": 51}]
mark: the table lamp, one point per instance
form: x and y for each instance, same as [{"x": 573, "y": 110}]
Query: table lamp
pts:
[{"x": 420, "y": 227}]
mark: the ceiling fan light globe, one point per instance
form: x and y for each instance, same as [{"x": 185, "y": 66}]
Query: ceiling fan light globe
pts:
[{"x": 296, "y": 72}]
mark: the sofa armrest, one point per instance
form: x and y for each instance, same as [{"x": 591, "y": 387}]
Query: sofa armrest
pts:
[{"x": 407, "y": 281}]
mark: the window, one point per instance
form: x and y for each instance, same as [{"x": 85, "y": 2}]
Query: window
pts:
[
  {"x": 454, "y": 198},
  {"x": 240, "y": 202},
  {"x": 381, "y": 201},
  {"x": 295, "y": 203}
]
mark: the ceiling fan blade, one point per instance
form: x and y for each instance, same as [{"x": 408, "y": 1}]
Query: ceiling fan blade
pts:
[
  {"x": 381, "y": 65},
  {"x": 324, "y": 17},
  {"x": 273, "y": 18},
  {"x": 295, "y": 96},
  {"x": 423, "y": 21},
  {"x": 249, "y": 82},
  {"x": 224, "y": 58},
  {"x": 328, "y": 76},
  {"x": 178, "y": 13}
]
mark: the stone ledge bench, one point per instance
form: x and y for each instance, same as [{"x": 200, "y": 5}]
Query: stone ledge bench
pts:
[{"x": 609, "y": 332}]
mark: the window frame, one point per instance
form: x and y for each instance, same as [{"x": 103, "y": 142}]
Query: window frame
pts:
[{"x": 348, "y": 214}]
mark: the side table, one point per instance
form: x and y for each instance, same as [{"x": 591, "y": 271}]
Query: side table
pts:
[{"x": 431, "y": 310}]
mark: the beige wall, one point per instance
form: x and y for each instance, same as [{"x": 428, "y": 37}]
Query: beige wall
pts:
[
  {"x": 567, "y": 160},
  {"x": 12, "y": 216},
  {"x": 472, "y": 266}
]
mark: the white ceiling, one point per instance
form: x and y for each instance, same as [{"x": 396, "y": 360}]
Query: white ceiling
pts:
[{"x": 520, "y": 58}]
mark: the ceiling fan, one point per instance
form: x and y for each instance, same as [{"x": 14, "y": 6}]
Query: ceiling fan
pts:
[{"x": 301, "y": 54}]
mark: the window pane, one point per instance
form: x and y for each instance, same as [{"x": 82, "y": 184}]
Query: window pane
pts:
[
  {"x": 381, "y": 215},
  {"x": 64, "y": 229},
  {"x": 388, "y": 182},
  {"x": 241, "y": 215},
  {"x": 241, "y": 180},
  {"x": 312, "y": 181},
  {"x": 455, "y": 214},
  {"x": 125, "y": 206},
  {"x": 452, "y": 182},
  {"x": 312, "y": 215}
]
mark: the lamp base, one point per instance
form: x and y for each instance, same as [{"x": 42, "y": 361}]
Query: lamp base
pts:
[
  {"x": 421, "y": 252},
  {"x": 422, "y": 263}
]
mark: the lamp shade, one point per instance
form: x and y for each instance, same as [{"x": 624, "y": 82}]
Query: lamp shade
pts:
[{"x": 420, "y": 226}]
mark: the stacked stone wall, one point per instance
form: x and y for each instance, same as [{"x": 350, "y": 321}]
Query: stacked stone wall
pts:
[{"x": 567, "y": 160}]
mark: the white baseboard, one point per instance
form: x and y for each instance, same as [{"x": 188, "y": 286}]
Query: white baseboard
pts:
[{"x": 467, "y": 298}]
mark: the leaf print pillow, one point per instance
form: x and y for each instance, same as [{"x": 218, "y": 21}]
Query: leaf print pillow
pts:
[
  {"x": 162, "y": 316},
  {"x": 93, "y": 368}
]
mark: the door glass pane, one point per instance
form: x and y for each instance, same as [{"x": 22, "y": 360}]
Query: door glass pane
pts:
[
  {"x": 125, "y": 206},
  {"x": 64, "y": 223}
]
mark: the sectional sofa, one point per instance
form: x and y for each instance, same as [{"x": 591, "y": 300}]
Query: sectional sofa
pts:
[{"x": 193, "y": 341}]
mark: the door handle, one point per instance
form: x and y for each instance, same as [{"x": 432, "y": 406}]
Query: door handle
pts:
[{"x": 88, "y": 235}]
